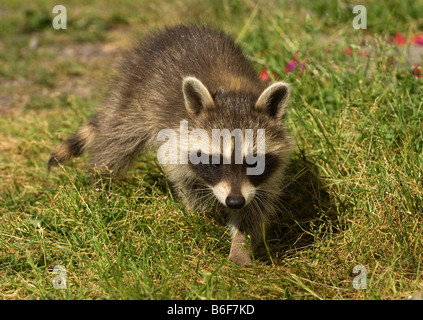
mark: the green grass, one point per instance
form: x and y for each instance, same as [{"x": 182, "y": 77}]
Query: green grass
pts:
[{"x": 354, "y": 193}]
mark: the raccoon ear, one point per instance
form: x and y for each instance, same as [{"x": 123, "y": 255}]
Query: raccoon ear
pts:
[
  {"x": 196, "y": 95},
  {"x": 273, "y": 100}
]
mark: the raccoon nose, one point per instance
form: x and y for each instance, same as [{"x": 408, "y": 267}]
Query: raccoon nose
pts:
[{"x": 235, "y": 202}]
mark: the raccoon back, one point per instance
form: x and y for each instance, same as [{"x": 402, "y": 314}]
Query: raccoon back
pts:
[{"x": 153, "y": 70}]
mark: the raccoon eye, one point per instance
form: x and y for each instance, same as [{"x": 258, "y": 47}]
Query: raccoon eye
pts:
[
  {"x": 252, "y": 165},
  {"x": 271, "y": 165},
  {"x": 216, "y": 165}
]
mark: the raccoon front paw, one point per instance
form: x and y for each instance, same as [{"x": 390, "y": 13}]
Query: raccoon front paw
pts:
[
  {"x": 240, "y": 253},
  {"x": 241, "y": 258}
]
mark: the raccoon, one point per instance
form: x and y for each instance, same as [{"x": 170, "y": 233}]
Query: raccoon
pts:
[{"x": 197, "y": 76}]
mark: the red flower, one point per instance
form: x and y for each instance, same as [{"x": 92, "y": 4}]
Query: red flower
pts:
[
  {"x": 417, "y": 71},
  {"x": 264, "y": 75},
  {"x": 400, "y": 39},
  {"x": 290, "y": 66},
  {"x": 348, "y": 52},
  {"x": 418, "y": 40},
  {"x": 294, "y": 64},
  {"x": 363, "y": 53}
]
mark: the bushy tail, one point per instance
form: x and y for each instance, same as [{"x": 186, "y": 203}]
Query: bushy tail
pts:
[{"x": 74, "y": 146}]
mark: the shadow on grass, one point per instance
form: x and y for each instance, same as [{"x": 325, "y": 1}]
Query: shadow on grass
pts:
[{"x": 307, "y": 210}]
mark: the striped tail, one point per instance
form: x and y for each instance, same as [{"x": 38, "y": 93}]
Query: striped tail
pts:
[{"x": 74, "y": 146}]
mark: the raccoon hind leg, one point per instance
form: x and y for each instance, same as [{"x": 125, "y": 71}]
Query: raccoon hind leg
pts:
[{"x": 113, "y": 153}]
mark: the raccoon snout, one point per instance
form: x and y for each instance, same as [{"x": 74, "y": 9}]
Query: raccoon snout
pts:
[{"x": 235, "y": 202}]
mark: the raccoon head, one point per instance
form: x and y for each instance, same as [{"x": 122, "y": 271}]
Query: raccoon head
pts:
[{"x": 228, "y": 168}]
